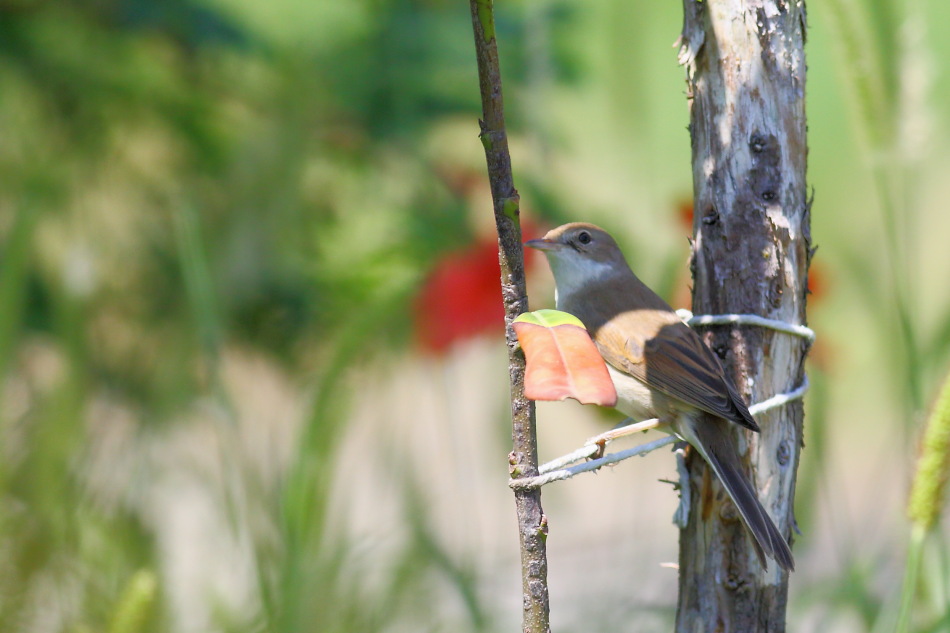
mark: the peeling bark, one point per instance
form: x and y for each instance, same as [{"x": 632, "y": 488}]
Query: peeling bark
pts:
[{"x": 745, "y": 67}]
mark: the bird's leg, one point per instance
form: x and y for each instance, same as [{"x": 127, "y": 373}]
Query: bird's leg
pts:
[{"x": 620, "y": 431}]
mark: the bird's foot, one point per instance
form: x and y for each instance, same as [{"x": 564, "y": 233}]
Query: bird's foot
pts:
[
  {"x": 601, "y": 445},
  {"x": 621, "y": 431}
]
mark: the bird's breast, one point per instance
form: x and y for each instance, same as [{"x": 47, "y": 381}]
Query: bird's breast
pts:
[{"x": 634, "y": 398}]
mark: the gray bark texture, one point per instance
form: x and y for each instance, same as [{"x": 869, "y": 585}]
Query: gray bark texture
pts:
[{"x": 745, "y": 67}]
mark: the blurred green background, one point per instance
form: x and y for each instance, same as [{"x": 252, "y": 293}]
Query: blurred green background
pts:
[{"x": 252, "y": 377}]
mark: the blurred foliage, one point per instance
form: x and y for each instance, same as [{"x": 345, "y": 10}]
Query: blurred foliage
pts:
[
  {"x": 183, "y": 179},
  {"x": 177, "y": 182}
]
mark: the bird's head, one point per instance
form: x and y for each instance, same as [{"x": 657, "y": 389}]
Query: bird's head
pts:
[{"x": 580, "y": 254}]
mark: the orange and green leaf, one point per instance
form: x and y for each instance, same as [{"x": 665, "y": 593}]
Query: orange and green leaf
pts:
[{"x": 562, "y": 361}]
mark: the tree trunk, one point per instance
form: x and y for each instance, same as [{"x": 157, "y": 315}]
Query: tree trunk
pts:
[{"x": 745, "y": 66}]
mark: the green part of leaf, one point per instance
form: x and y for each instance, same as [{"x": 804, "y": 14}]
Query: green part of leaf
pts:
[{"x": 549, "y": 318}]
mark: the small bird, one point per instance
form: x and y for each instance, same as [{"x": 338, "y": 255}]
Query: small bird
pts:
[{"x": 659, "y": 366}]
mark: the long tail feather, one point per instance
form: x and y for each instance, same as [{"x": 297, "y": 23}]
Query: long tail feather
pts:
[{"x": 715, "y": 445}]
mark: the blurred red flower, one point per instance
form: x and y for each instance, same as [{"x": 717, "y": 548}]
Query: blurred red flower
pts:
[
  {"x": 817, "y": 282},
  {"x": 684, "y": 214},
  {"x": 461, "y": 298}
]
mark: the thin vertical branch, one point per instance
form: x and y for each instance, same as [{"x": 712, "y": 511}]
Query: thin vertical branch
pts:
[{"x": 523, "y": 460}]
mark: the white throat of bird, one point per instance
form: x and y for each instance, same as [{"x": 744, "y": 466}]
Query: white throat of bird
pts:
[{"x": 572, "y": 272}]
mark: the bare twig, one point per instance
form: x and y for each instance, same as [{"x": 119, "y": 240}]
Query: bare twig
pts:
[
  {"x": 560, "y": 468},
  {"x": 523, "y": 459}
]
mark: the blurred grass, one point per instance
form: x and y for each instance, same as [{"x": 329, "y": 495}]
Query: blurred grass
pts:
[
  {"x": 187, "y": 184},
  {"x": 14, "y": 268}
]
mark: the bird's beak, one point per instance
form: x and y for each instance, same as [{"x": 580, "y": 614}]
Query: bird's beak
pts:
[{"x": 543, "y": 244}]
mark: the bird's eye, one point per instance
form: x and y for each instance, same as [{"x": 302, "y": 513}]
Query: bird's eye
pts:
[{"x": 583, "y": 237}]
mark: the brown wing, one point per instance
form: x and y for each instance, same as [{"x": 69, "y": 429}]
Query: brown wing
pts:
[{"x": 668, "y": 356}]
